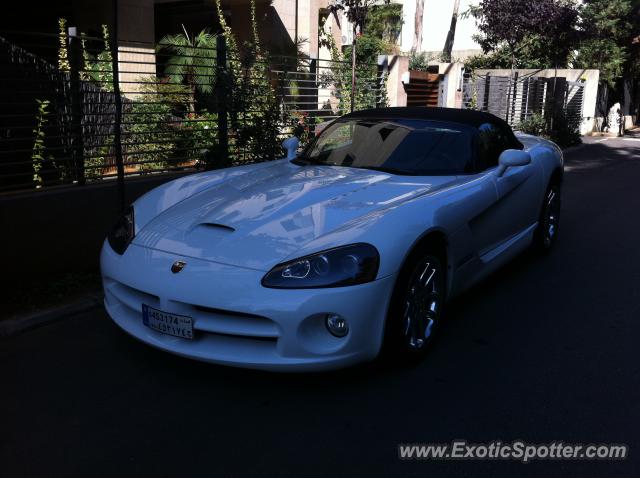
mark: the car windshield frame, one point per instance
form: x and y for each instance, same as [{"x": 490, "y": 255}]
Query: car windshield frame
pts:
[{"x": 468, "y": 132}]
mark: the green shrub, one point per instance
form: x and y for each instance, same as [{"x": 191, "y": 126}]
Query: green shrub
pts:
[
  {"x": 96, "y": 158},
  {"x": 534, "y": 124},
  {"x": 149, "y": 139},
  {"x": 420, "y": 61},
  {"x": 562, "y": 130},
  {"x": 197, "y": 137}
]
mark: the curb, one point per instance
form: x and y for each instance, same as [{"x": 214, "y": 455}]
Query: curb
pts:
[
  {"x": 18, "y": 325},
  {"x": 575, "y": 147},
  {"x": 602, "y": 134}
]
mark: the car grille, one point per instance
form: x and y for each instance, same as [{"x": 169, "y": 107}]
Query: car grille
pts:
[{"x": 208, "y": 321}]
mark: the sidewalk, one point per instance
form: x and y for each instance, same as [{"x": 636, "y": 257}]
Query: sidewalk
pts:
[
  {"x": 21, "y": 323},
  {"x": 633, "y": 133}
]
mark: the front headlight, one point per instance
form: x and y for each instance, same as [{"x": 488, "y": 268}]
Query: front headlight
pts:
[
  {"x": 122, "y": 232},
  {"x": 342, "y": 266}
]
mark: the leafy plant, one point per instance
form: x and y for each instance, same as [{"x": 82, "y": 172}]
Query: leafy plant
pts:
[
  {"x": 149, "y": 126},
  {"x": 419, "y": 61},
  {"x": 97, "y": 157},
  {"x": 534, "y": 124},
  {"x": 472, "y": 97},
  {"x": 356, "y": 12},
  {"x": 193, "y": 61},
  {"x": 256, "y": 110},
  {"x": 197, "y": 137},
  {"x": 301, "y": 126},
  {"x": 338, "y": 77},
  {"x": 382, "y": 21},
  {"x": 63, "y": 45},
  {"x": 234, "y": 64},
  {"x": 149, "y": 141},
  {"x": 39, "y": 149},
  {"x": 560, "y": 129},
  {"x": 98, "y": 67}
]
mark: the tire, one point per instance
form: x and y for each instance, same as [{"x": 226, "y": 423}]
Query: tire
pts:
[
  {"x": 416, "y": 308},
  {"x": 546, "y": 234}
]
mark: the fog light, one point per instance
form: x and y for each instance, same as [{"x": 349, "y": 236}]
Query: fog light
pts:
[{"x": 337, "y": 325}]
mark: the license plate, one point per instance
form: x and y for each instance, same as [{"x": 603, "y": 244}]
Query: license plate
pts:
[{"x": 167, "y": 323}]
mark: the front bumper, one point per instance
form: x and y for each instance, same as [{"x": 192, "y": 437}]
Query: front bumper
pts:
[{"x": 236, "y": 320}]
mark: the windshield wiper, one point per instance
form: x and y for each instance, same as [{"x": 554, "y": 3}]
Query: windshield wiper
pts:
[
  {"x": 304, "y": 161},
  {"x": 307, "y": 161},
  {"x": 401, "y": 172}
]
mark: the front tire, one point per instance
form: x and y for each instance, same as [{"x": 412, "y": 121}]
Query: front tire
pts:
[
  {"x": 416, "y": 308},
  {"x": 549, "y": 221}
]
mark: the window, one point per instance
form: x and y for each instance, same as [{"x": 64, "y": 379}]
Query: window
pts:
[
  {"x": 398, "y": 146},
  {"x": 491, "y": 143}
]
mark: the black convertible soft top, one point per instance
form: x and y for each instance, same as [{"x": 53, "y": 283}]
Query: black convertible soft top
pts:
[{"x": 453, "y": 115}]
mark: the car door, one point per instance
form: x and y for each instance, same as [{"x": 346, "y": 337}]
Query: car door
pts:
[
  {"x": 471, "y": 211},
  {"x": 514, "y": 208},
  {"x": 496, "y": 209},
  {"x": 517, "y": 189}
]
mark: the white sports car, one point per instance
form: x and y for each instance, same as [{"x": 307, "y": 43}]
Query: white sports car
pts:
[{"x": 330, "y": 257}]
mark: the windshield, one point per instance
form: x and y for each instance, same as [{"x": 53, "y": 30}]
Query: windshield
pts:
[{"x": 399, "y": 146}]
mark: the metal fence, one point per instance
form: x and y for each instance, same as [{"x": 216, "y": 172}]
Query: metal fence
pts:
[
  {"x": 516, "y": 98},
  {"x": 66, "y": 120}
]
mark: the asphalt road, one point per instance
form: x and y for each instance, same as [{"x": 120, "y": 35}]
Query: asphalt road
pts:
[{"x": 545, "y": 350}]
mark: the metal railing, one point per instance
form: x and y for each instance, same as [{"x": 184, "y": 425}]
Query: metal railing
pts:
[
  {"x": 65, "y": 119},
  {"x": 517, "y": 98}
]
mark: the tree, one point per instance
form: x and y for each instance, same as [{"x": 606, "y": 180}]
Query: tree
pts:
[
  {"x": 448, "y": 44},
  {"x": 605, "y": 44},
  {"x": 356, "y": 11},
  {"x": 417, "y": 27},
  {"x": 632, "y": 66},
  {"x": 384, "y": 22},
  {"x": 383, "y": 25},
  {"x": 193, "y": 61},
  {"x": 515, "y": 24},
  {"x": 610, "y": 41}
]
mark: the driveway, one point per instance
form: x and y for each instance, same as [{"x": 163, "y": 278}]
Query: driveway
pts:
[{"x": 546, "y": 350}]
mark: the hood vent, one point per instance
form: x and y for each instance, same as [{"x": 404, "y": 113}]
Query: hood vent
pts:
[{"x": 212, "y": 225}]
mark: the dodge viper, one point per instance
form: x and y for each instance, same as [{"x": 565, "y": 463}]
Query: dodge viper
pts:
[{"x": 346, "y": 250}]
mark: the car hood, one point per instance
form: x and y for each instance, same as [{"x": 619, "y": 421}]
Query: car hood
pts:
[{"x": 259, "y": 218}]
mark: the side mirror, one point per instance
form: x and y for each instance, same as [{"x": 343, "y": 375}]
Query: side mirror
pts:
[
  {"x": 291, "y": 146},
  {"x": 510, "y": 158}
]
